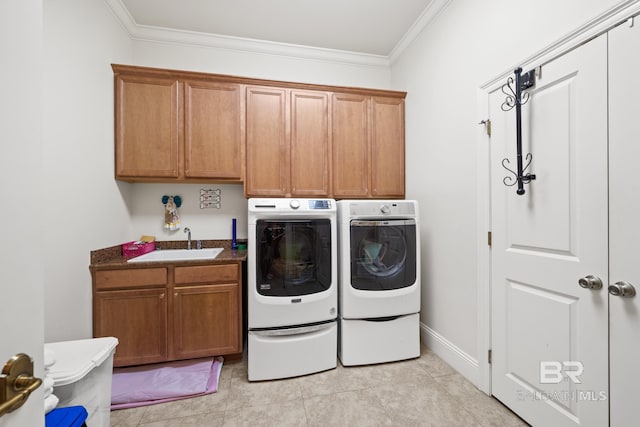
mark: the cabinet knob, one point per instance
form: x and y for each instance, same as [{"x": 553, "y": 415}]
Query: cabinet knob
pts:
[
  {"x": 590, "y": 282},
  {"x": 161, "y": 295},
  {"x": 622, "y": 289}
]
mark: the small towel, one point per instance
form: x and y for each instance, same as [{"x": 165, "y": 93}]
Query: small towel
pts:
[
  {"x": 171, "y": 216},
  {"x": 50, "y": 403},
  {"x": 49, "y": 358},
  {"x": 47, "y": 384}
]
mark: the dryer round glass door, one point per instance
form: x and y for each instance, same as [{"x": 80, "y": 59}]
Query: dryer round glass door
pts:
[
  {"x": 293, "y": 257},
  {"x": 383, "y": 254}
]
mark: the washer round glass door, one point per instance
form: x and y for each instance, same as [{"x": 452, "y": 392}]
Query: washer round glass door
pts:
[
  {"x": 383, "y": 254},
  {"x": 293, "y": 257}
]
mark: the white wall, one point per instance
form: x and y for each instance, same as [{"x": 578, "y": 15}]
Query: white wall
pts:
[
  {"x": 83, "y": 207},
  {"x": 470, "y": 43},
  {"x": 147, "y": 211}
]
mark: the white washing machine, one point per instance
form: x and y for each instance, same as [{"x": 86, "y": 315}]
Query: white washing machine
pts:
[
  {"x": 379, "y": 281},
  {"x": 292, "y": 286}
]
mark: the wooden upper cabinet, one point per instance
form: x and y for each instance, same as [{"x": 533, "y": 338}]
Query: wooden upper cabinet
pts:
[
  {"x": 288, "y": 143},
  {"x": 368, "y": 146},
  {"x": 213, "y": 130},
  {"x": 174, "y": 126},
  {"x": 267, "y": 142},
  {"x": 310, "y": 144},
  {"x": 281, "y": 139},
  {"x": 387, "y": 148},
  {"x": 147, "y": 125},
  {"x": 350, "y": 139}
]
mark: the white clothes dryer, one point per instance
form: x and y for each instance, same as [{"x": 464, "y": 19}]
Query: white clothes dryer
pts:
[
  {"x": 379, "y": 281},
  {"x": 292, "y": 287}
]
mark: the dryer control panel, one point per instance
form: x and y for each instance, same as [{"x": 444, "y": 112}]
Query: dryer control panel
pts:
[{"x": 384, "y": 208}]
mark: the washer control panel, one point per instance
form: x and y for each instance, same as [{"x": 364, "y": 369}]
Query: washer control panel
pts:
[{"x": 319, "y": 204}]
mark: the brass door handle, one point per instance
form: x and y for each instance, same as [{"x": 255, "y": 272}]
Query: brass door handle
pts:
[{"x": 17, "y": 383}]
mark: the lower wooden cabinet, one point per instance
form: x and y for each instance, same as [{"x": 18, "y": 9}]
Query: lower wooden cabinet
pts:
[
  {"x": 138, "y": 318},
  {"x": 205, "y": 299},
  {"x": 169, "y": 313},
  {"x": 200, "y": 321}
]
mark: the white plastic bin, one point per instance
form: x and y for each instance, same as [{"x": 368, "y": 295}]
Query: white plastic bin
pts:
[{"x": 82, "y": 376}]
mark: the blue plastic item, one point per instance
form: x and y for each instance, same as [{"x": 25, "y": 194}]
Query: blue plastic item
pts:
[
  {"x": 73, "y": 416},
  {"x": 234, "y": 243}
]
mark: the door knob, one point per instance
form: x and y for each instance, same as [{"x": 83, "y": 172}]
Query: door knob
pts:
[
  {"x": 590, "y": 282},
  {"x": 622, "y": 289},
  {"x": 17, "y": 383}
]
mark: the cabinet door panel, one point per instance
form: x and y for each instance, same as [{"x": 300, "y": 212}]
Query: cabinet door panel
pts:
[
  {"x": 147, "y": 123},
  {"x": 220, "y": 273},
  {"x": 387, "y": 147},
  {"x": 206, "y": 320},
  {"x": 213, "y": 130},
  {"x": 350, "y": 140},
  {"x": 267, "y": 142},
  {"x": 138, "y": 318},
  {"x": 310, "y": 144},
  {"x": 145, "y": 277}
]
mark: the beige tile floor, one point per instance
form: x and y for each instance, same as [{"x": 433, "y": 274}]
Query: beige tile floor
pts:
[{"x": 418, "y": 392}]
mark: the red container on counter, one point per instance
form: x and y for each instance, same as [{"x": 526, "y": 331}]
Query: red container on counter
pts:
[{"x": 134, "y": 249}]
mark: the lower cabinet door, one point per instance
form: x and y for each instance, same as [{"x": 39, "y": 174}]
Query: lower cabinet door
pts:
[
  {"x": 205, "y": 320},
  {"x": 138, "y": 318}
]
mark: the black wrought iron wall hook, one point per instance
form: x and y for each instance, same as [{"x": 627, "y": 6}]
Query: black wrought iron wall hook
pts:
[{"x": 513, "y": 89}]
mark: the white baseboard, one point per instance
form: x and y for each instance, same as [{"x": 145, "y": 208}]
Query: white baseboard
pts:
[{"x": 459, "y": 360}]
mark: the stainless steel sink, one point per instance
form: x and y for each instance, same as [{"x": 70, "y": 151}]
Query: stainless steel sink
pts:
[{"x": 178, "y": 255}]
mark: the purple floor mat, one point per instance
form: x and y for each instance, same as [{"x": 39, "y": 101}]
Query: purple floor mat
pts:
[{"x": 164, "y": 382}]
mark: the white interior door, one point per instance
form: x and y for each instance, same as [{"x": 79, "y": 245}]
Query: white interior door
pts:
[
  {"x": 624, "y": 228},
  {"x": 21, "y": 260},
  {"x": 549, "y": 335}
]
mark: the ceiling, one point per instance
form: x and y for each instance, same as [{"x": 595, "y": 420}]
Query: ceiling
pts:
[{"x": 371, "y": 27}]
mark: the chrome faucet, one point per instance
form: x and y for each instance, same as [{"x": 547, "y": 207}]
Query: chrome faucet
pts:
[{"x": 188, "y": 231}]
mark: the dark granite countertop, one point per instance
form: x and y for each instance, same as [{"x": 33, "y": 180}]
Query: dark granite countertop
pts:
[{"x": 112, "y": 256}]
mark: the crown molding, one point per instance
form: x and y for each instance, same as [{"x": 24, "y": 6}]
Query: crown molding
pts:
[
  {"x": 192, "y": 38},
  {"x": 429, "y": 14}
]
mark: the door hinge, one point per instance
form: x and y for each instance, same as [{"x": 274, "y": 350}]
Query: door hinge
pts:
[
  {"x": 487, "y": 126},
  {"x": 489, "y": 238},
  {"x": 489, "y": 356}
]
